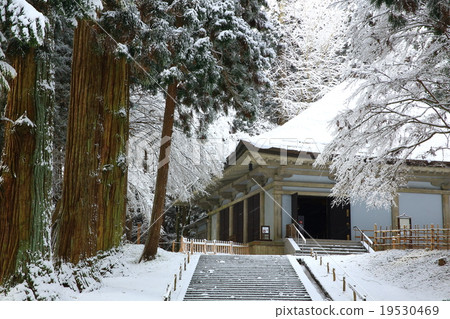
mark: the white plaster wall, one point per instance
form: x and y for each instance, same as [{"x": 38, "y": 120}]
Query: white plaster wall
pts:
[
  {"x": 286, "y": 213},
  {"x": 424, "y": 209},
  {"x": 365, "y": 218},
  {"x": 268, "y": 211}
]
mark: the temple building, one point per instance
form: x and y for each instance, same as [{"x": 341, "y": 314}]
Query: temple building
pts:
[{"x": 270, "y": 182}]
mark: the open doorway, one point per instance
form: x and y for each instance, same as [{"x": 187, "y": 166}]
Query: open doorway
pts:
[{"x": 319, "y": 218}]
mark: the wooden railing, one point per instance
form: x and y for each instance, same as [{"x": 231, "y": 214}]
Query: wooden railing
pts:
[
  {"x": 204, "y": 246},
  {"x": 292, "y": 231},
  {"x": 364, "y": 238},
  {"x": 431, "y": 237}
]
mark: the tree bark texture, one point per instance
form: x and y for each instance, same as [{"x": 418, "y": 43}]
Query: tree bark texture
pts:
[
  {"x": 151, "y": 245},
  {"x": 91, "y": 214},
  {"x": 113, "y": 164},
  {"x": 25, "y": 174}
]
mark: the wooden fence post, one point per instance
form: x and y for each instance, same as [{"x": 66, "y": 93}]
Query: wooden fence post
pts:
[
  {"x": 192, "y": 246},
  {"x": 175, "y": 283},
  {"x": 344, "y": 284},
  {"x": 334, "y": 274},
  {"x": 432, "y": 237},
  {"x": 182, "y": 244},
  {"x": 375, "y": 242},
  {"x": 328, "y": 268}
]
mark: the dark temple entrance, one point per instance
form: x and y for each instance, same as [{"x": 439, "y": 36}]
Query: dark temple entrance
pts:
[{"x": 320, "y": 219}]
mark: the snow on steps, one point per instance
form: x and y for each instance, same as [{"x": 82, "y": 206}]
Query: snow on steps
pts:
[
  {"x": 245, "y": 277},
  {"x": 331, "y": 247}
]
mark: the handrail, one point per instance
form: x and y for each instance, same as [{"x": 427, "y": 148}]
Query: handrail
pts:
[
  {"x": 363, "y": 235},
  {"x": 300, "y": 233}
]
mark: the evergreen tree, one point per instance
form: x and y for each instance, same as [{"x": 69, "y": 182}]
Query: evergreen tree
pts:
[
  {"x": 91, "y": 214},
  {"x": 25, "y": 172},
  {"x": 209, "y": 55}
]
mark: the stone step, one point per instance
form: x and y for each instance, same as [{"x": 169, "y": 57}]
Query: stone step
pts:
[
  {"x": 331, "y": 247},
  {"x": 228, "y": 277}
]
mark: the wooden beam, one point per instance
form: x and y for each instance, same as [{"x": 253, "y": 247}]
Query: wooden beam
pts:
[
  {"x": 443, "y": 184},
  {"x": 254, "y": 192},
  {"x": 262, "y": 197},
  {"x": 395, "y": 212},
  {"x": 245, "y": 220},
  {"x": 240, "y": 188},
  {"x": 446, "y": 210},
  {"x": 230, "y": 209},
  {"x": 277, "y": 222},
  {"x": 423, "y": 191},
  {"x": 227, "y": 195},
  {"x": 304, "y": 184}
]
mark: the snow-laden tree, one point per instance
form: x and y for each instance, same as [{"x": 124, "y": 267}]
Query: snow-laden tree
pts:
[
  {"x": 312, "y": 54},
  {"x": 91, "y": 213},
  {"x": 6, "y": 70},
  {"x": 19, "y": 20},
  {"x": 400, "y": 55},
  {"x": 25, "y": 166},
  {"x": 195, "y": 161},
  {"x": 209, "y": 57}
]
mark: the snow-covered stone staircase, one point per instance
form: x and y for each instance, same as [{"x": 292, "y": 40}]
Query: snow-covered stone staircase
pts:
[
  {"x": 245, "y": 277},
  {"x": 331, "y": 247}
]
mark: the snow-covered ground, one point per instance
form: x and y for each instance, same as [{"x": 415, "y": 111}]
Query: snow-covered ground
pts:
[
  {"x": 129, "y": 280},
  {"x": 142, "y": 281},
  {"x": 392, "y": 275},
  {"x": 406, "y": 275}
]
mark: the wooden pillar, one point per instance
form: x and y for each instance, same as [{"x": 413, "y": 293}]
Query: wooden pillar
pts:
[
  {"x": 395, "y": 212},
  {"x": 245, "y": 220},
  {"x": 208, "y": 227},
  {"x": 230, "y": 227},
  {"x": 277, "y": 223},
  {"x": 446, "y": 210},
  {"x": 262, "y": 197},
  {"x": 217, "y": 226}
]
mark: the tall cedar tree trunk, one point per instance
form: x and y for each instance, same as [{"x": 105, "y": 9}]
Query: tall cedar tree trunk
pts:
[
  {"x": 25, "y": 175},
  {"x": 151, "y": 245},
  {"x": 91, "y": 214}
]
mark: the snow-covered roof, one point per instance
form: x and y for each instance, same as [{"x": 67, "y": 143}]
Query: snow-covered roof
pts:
[{"x": 309, "y": 131}]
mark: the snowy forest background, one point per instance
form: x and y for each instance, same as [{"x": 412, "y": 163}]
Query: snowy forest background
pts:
[{"x": 86, "y": 86}]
